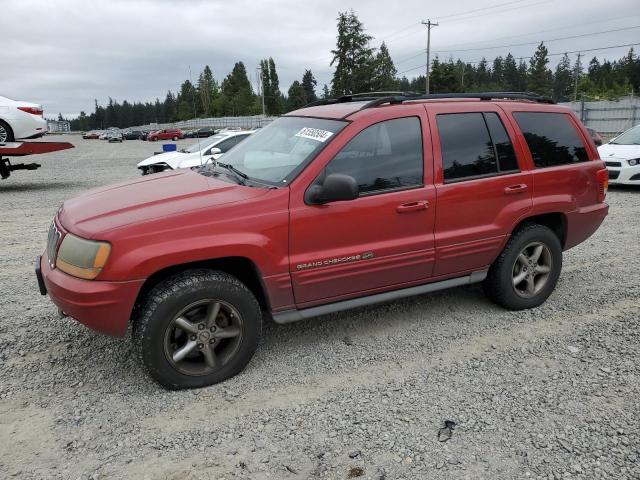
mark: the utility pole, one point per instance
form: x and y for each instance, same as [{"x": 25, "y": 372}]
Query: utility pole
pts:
[
  {"x": 575, "y": 78},
  {"x": 429, "y": 24},
  {"x": 261, "y": 88}
]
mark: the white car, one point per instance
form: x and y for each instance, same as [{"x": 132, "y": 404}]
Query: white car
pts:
[
  {"x": 19, "y": 120},
  {"x": 197, "y": 154},
  {"x": 622, "y": 157}
]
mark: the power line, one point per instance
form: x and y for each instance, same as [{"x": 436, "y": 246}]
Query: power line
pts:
[
  {"x": 549, "y": 55},
  {"x": 537, "y": 42},
  {"x": 488, "y": 7}
]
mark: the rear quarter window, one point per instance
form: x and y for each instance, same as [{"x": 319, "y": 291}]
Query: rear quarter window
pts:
[{"x": 552, "y": 138}]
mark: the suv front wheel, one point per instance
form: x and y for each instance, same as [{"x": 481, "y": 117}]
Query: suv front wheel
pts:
[
  {"x": 527, "y": 270},
  {"x": 197, "y": 328}
]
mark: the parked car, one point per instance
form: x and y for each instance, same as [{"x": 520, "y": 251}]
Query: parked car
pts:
[
  {"x": 622, "y": 157},
  {"x": 197, "y": 154},
  {"x": 203, "y": 132},
  {"x": 133, "y": 135},
  {"x": 115, "y": 137},
  {"x": 595, "y": 136},
  {"x": 20, "y": 120},
  {"x": 92, "y": 135},
  {"x": 166, "y": 134},
  {"x": 188, "y": 133},
  {"x": 347, "y": 203}
]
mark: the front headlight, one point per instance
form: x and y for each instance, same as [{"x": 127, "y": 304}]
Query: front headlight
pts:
[
  {"x": 634, "y": 161},
  {"x": 82, "y": 258}
]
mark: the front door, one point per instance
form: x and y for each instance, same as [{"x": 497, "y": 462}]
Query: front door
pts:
[{"x": 382, "y": 239}]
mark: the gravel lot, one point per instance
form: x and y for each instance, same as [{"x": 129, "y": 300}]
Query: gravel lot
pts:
[{"x": 547, "y": 393}]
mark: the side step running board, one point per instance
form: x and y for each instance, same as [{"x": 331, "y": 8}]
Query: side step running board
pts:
[{"x": 290, "y": 316}]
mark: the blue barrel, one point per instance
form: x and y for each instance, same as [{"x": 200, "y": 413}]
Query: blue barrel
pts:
[{"x": 169, "y": 147}]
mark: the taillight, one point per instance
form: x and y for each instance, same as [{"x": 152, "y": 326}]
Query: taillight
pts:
[
  {"x": 603, "y": 183},
  {"x": 31, "y": 110}
]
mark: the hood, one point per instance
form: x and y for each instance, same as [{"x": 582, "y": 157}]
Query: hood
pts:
[
  {"x": 161, "y": 158},
  {"x": 624, "y": 152},
  {"x": 153, "y": 196}
]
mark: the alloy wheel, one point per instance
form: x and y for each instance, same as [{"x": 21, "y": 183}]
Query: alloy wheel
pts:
[
  {"x": 203, "y": 337},
  {"x": 531, "y": 269}
]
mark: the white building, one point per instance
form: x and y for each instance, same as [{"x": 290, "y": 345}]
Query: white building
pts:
[{"x": 58, "y": 126}]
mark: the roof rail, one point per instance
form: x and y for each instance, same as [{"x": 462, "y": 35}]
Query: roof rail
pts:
[
  {"x": 379, "y": 98},
  {"x": 359, "y": 97},
  {"x": 532, "y": 97}
]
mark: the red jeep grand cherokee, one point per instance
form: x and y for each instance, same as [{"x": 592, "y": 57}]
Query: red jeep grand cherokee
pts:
[
  {"x": 344, "y": 203},
  {"x": 167, "y": 134}
]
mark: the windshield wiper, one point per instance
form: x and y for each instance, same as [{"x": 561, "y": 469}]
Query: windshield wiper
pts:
[{"x": 239, "y": 173}]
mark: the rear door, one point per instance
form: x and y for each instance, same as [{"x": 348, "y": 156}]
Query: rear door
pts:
[
  {"x": 483, "y": 185},
  {"x": 384, "y": 238}
]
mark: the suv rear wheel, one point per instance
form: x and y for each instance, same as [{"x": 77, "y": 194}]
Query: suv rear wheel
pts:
[
  {"x": 197, "y": 328},
  {"x": 527, "y": 270}
]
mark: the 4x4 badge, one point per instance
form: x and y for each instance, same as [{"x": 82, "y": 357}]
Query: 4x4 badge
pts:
[{"x": 367, "y": 255}]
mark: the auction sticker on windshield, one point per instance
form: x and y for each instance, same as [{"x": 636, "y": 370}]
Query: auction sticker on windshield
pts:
[{"x": 314, "y": 134}]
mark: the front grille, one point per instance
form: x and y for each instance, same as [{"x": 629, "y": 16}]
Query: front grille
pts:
[
  {"x": 52, "y": 243},
  {"x": 613, "y": 164},
  {"x": 613, "y": 174}
]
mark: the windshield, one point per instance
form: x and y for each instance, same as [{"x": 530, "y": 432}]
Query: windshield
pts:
[
  {"x": 204, "y": 143},
  {"x": 277, "y": 152},
  {"x": 630, "y": 137}
]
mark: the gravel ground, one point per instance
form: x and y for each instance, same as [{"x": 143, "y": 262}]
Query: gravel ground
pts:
[{"x": 546, "y": 393}]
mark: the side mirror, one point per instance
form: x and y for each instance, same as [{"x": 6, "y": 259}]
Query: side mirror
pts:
[
  {"x": 335, "y": 188},
  {"x": 215, "y": 151}
]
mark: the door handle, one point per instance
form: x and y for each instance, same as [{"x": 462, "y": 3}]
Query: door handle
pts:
[
  {"x": 413, "y": 206},
  {"x": 513, "y": 189}
]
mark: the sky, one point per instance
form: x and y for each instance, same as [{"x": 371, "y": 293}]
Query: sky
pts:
[{"x": 65, "y": 54}]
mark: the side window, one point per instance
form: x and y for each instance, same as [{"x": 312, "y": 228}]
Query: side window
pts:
[
  {"x": 474, "y": 144},
  {"x": 384, "y": 156},
  {"x": 552, "y": 138},
  {"x": 225, "y": 145},
  {"x": 507, "y": 160}
]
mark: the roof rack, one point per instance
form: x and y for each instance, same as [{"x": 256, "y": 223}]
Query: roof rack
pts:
[
  {"x": 359, "y": 97},
  {"x": 379, "y": 98}
]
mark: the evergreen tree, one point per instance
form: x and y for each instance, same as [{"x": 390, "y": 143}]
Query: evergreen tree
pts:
[
  {"x": 236, "y": 88},
  {"x": 523, "y": 75},
  {"x": 325, "y": 92},
  {"x": 384, "y": 71},
  {"x": 271, "y": 87},
  {"x": 563, "y": 80},
  {"x": 309, "y": 86},
  {"x": 352, "y": 56},
  {"x": 207, "y": 91},
  {"x": 510, "y": 74},
  {"x": 186, "y": 101},
  {"x": 296, "y": 96},
  {"x": 497, "y": 72},
  {"x": 540, "y": 78}
]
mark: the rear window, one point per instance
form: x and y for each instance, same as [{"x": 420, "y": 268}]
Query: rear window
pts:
[
  {"x": 474, "y": 145},
  {"x": 552, "y": 138}
]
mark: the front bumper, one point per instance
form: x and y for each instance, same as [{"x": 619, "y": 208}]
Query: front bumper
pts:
[
  {"x": 624, "y": 175},
  {"x": 102, "y": 306}
]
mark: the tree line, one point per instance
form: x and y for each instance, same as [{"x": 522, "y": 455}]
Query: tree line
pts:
[{"x": 361, "y": 67}]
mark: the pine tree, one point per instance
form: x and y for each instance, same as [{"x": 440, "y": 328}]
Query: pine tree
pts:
[
  {"x": 497, "y": 72},
  {"x": 523, "y": 75},
  {"x": 352, "y": 56},
  {"x": 325, "y": 92},
  {"x": 309, "y": 86},
  {"x": 384, "y": 71},
  {"x": 271, "y": 87},
  {"x": 563, "y": 80},
  {"x": 207, "y": 91},
  {"x": 236, "y": 88},
  {"x": 186, "y": 101},
  {"x": 296, "y": 96},
  {"x": 540, "y": 77},
  {"x": 510, "y": 74}
]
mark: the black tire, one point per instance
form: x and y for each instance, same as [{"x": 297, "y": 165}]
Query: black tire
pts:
[
  {"x": 155, "y": 328},
  {"x": 175, "y": 139},
  {"x": 9, "y": 133},
  {"x": 499, "y": 284}
]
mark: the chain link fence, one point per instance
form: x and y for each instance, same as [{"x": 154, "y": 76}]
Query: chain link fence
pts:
[
  {"x": 248, "y": 122},
  {"x": 608, "y": 117}
]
